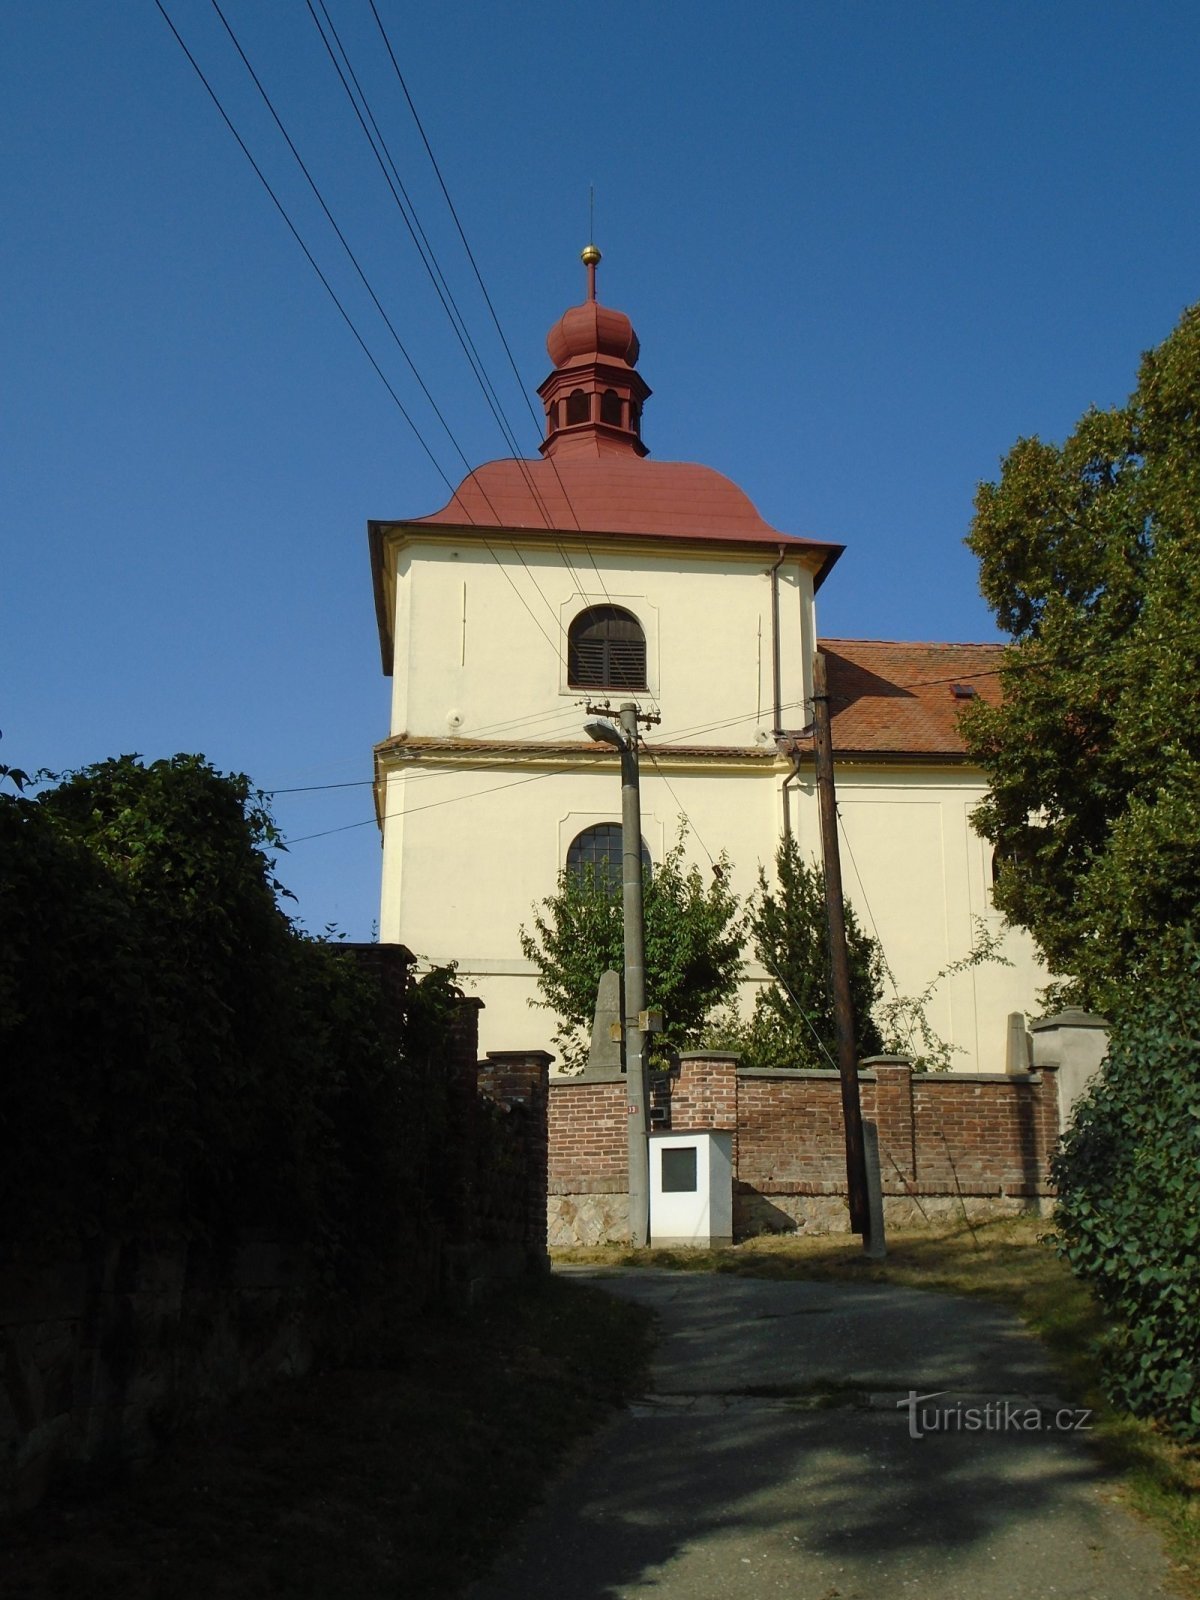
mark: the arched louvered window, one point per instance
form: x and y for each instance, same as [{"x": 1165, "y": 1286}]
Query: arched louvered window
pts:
[
  {"x": 578, "y": 407},
  {"x": 610, "y": 407},
  {"x": 606, "y": 649},
  {"x": 597, "y": 851}
]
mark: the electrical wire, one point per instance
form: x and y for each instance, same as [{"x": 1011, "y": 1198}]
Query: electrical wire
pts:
[
  {"x": 767, "y": 960},
  {"x": 432, "y": 805},
  {"x": 420, "y": 240},
  {"x": 521, "y": 387},
  {"x": 345, "y": 315},
  {"x": 419, "y": 236},
  {"x": 308, "y": 254},
  {"x": 448, "y": 301},
  {"x": 354, "y": 261},
  {"x": 549, "y": 719},
  {"x": 887, "y": 966},
  {"x": 429, "y": 259}
]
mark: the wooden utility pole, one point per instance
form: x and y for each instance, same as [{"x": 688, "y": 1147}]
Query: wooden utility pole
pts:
[{"x": 839, "y": 961}]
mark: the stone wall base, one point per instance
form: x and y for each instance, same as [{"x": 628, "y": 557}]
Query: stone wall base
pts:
[
  {"x": 757, "y": 1214},
  {"x": 582, "y": 1220}
]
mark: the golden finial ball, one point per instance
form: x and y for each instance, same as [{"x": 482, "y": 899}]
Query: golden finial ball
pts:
[{"x": 589, "y": 255}]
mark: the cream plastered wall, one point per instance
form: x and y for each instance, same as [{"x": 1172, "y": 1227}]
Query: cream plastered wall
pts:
[
  {"x": 918, "y": 877},
  {"x": 461, "y": 878},
  {"x": 480, "y": 643},
  {"x": 473, "y": 839}
]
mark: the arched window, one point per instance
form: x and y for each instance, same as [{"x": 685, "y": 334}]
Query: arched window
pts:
[
  {"x": 597, "y": 851},
  {"x": 606, "y": 649},
  {"x": 578, "y": 407},
  {"x": 610, "y": 407}
]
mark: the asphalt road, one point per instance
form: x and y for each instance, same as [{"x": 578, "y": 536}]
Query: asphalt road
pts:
[{"x": 778, "y": 1452}]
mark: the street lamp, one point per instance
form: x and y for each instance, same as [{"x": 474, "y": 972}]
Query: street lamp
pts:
[{"x": 604, "y": 733}]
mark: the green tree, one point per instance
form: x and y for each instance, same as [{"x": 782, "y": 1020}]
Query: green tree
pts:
[
  {"x": 178, "y": 1060},
  {"x": 1128, "y": 1180},
  {"x": 694, "y": 937},
  {"x": 793, "y": 1022},
  {"x": 1090, "y": 558}
]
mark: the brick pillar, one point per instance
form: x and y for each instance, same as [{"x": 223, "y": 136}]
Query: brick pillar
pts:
[
  {"x": 704, "y": 1096},
  {"x": 521, "y": 1078},
  {"x": 459, "y": 1063},
  {"x": 390, "y": 963},
  {"x": 894, "y": 1118}
]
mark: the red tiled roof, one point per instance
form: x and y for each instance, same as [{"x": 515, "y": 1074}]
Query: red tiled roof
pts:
[
  {"x": 616, "y": 493},
  {"x": 889, "y": 697}
]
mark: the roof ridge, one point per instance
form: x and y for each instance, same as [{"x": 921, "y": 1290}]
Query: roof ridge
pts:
[{"x": 919, "y": 644}]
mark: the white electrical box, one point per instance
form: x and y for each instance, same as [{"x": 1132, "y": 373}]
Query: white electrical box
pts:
[{"x": 691, "y": 1188}]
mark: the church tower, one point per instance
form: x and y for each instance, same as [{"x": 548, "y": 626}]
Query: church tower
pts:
[{"x": 592, "y": 571}]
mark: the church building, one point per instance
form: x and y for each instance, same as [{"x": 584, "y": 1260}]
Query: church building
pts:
[{"x": 596, "y": 574}]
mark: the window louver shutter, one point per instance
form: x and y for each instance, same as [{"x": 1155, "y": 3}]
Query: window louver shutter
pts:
[{"x": 606, "y": 649}]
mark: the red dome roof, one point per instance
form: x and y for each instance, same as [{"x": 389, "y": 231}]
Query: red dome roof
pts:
[
  {"x": 592, "y": 332},
  {"x": 616, "y": 494}
]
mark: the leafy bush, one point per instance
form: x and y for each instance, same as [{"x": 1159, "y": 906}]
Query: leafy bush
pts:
[
  {"x": 180, "y": 1062},
  {"x": 792, "y": 1024},
  {"x": 694, "y": 937},
  {"x": 1129, "y": 1195}
]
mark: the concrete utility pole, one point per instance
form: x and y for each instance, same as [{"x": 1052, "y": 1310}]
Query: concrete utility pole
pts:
[
  {"x": 843, "y": 1007},
  {"x": 636, "y": 1078}
]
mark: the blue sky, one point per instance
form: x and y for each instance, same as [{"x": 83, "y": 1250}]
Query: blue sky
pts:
[{"x": 866, "y": 246}]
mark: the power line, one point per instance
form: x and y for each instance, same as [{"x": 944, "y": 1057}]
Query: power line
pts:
[
  {"x": 432, "y": 267},
  {"x": 408, "y": 212},
  {"x": 492, "y": 310},
  {"x": 887, "y": 966},
  {"x": 437, "y": 277},
  {"x": 540, "y": 719},
  {"x": 671, "y": 791},
  {"x": 767, "y": 960},
  {"x": 727, "y": 722},
  {"x": 379, "y": 307},
  {"x": 341, "y": 236},
  {"x": 307, "y": 252},
  {"x": 420, "y": 237},
  {"x": 454, "y": 496},
  {"x": 431, "y": 805},
  {"x": 453, "y": 211}
]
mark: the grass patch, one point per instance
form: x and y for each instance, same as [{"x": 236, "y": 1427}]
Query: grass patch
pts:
[
  {"x": 403, "y": 1478},
  {"x": 1007, "y": 1261}
]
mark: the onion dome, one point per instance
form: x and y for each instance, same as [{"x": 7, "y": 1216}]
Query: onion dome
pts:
[{"x": 594, "y": 397}]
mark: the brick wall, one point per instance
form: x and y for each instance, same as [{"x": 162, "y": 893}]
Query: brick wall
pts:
[
  {"x": 587, "y": 1199},
  {"x": 589, "y": 1139},
  {"x": 948, "y": 1142},
  {"x": 517, "y": 1082}
]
